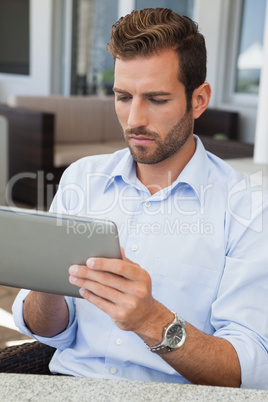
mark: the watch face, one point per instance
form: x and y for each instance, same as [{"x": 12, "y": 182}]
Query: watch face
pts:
[{"x": 174, "y": 335}]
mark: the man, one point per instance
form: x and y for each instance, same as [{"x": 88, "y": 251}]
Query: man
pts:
[{"x": 188, "y": 301}]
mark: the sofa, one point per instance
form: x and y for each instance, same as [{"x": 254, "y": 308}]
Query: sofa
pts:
[{"x": 48, "y": 133}]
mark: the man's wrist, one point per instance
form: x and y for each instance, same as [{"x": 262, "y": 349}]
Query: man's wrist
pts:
[
  {"x": 151, "y": 331},
  {"x": 173, "y": 338}
]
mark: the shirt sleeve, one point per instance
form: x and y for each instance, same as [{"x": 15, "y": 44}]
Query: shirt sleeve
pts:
[
  {"x": 240, "y": 313},
  {"x": 65, "y": 338},
  {"x": 60, "y": 341}
]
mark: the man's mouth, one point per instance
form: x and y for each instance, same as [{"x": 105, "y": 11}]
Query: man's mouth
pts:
[{"x": 140, "y": 139}]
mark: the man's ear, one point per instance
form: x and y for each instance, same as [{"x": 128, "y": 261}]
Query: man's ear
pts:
[{"x": 200, "y": 99}]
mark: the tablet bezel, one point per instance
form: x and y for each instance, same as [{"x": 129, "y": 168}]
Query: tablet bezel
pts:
[{"x": 37, "y": 248}]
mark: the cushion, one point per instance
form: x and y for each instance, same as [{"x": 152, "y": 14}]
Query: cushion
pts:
[
  {"x": 65, "y": 154},
  {"x": 78, "y": 119}
]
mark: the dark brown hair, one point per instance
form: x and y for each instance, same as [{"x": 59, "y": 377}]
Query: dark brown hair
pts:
[{"x": 148, "y": 31}]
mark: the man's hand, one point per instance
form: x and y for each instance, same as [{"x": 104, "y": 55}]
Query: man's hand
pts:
[{"x": 120, "y": 288}]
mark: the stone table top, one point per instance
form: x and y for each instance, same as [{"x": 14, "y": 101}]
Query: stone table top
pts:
[{"x": 26, "y": 387}]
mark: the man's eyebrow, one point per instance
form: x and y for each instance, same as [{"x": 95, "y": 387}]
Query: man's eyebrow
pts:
[
  {"x": 157, "y": 93},
  {"x": 148, "y": 94},
  {"x": 121, "y": 91}
]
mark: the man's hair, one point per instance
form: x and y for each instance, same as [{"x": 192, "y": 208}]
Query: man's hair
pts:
[{"x": 152, "y": 30}]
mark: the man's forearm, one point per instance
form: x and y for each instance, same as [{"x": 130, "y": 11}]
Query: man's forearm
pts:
[
  {"x": 45, "y": 314},
  {"x": 203, "y": 359},
  {"x": 206, "y": 360}
]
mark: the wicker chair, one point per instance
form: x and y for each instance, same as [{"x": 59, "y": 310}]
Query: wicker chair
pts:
[{"x": 29, "y": 358}]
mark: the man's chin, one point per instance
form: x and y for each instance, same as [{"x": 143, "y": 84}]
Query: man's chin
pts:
[{"x": 140, "y": 155}]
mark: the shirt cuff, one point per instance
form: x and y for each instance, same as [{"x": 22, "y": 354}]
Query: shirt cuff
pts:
[
  {"x": 60, "y": 341},
  {"x": 252, "y": 357}
]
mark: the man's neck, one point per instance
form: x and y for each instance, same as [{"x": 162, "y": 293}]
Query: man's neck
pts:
[{"x": 161, "y": 175}]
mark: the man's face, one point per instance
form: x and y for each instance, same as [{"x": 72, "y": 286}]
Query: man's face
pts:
[{"x": 150, "y": 103}]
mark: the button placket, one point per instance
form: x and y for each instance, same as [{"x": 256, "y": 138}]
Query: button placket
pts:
[
  {"x": 113, "y": 370},
  {"x": 119, "y": 341},
  {"x": 134, "y": 247}
]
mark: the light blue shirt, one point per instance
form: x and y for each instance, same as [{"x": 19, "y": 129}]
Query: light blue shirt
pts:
[{"x": 204, "y": 241}]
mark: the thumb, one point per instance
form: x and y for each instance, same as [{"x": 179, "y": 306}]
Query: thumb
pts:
[{"x": 123, "y": 254}]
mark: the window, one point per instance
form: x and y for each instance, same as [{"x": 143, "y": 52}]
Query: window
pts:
[
  {"x": 93, "y": 19},
  {"x": 184, "y": 7},
  {"x": 101, "y": 68},
  {"x": 249, "y": 59},
  {"x": 14, "y": 37}
]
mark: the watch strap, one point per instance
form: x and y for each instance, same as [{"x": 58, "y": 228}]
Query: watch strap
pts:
[{"x": 162, "y": 347}]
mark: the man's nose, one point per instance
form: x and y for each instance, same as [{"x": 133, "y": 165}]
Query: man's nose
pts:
[{"x": 137, "y": 114}]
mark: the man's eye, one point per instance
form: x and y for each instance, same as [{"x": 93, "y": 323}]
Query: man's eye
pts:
[
  {"x": 159, "y": 101},
  {"x": 123, "y": 98}
]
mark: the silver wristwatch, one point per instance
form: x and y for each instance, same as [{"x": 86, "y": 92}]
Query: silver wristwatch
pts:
[{"x": 174, "y": 337}]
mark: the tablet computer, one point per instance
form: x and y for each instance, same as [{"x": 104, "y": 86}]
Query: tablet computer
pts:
[{"x": 37, "y": 248}]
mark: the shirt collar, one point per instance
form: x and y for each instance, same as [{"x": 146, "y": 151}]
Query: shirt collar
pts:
[
  {"x": 125, "y": 169},
  {"x": 195, "y": 173}
]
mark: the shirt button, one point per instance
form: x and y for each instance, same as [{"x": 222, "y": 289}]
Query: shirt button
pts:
[
  {"x": 113, "y": 370},
  {"x": 134, "y": 247},
  {"x": 119, "y": 341},
  {"x": 147, "y": 204}
]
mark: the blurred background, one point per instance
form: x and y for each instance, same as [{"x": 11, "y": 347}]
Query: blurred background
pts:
[{"x": 58, "y": 47}]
